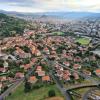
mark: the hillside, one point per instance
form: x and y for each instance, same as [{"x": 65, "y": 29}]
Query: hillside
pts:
[{"x": 10, "y": 26}]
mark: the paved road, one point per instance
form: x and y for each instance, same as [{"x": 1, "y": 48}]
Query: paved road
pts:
[{"x": 58, "y": 84}]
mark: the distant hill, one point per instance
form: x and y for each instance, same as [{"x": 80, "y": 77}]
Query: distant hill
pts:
[
  {"x": 10, "y": 26},
  {"x": 69, "y": 15},
  {"x": 59, "y": 15}
]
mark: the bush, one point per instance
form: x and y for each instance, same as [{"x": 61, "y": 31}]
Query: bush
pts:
[
  {"x": 27, "y": 87},
  {"x": 51, "y": 93},
  {"x": 10, "y": 94}
]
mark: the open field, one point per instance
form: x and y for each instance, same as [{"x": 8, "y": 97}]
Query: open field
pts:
[
  {"x": 83, "y": 41},
  {"x": 37, "y": 94},
  {"x": 58, "y": 33},
  {"x": 82, "y": 90}
]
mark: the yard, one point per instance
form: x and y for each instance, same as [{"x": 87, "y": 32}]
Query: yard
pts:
[
  {"x": 37, "y": 94},
  {"x": 83, "y": 41}
]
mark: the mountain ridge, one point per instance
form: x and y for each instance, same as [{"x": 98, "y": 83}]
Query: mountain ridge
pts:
[{"x": 60, "y": 15}]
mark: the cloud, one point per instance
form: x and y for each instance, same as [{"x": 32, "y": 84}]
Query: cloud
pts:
[{"x": 50, "y": 5}]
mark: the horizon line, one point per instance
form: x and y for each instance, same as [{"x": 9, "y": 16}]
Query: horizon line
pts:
[{"x": 51, "y": 11}]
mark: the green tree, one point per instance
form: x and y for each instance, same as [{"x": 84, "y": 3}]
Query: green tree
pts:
[
  {"x": 51, "y": 93},
  {"x": 27, "y": 86}
]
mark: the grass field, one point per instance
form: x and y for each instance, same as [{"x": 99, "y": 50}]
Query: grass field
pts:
[
  {"x": 37, "y": 94},
  {"x": 58, "y": 33},
  {"x": 83, "y": 41},
  {"x": 81, "y": 91}
]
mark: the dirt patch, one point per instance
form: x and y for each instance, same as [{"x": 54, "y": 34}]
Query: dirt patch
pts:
[{"x": 55, "y": 98}]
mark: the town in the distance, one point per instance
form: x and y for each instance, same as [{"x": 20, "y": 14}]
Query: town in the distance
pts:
[{"x": 49, "y": 58}]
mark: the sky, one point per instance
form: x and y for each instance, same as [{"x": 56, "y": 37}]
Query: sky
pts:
[{"x": 50, "y": 5}]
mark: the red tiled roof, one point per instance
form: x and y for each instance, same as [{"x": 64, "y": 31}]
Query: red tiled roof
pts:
[
  {"x": 76, "y": 66},
  {"x": 33, "y": 60},
  {"x": 39, "y": 68},
  {"x": 67, "y": 72},
  {"x": 29, "y": 33},
  {"x": 41, "y": 73},
  {"x": 27, "y": 66},
  {"x": 45, "y": 78},
  {"x": 2, "y": 69},
  {"x": 32, "y": 78},
  {"x": 66, "y": 77},
  {"x": 77, "y": 59},
  {"x": 76, "y": 75},
  {"x": 67, "y": 63},
  {"x": 97, "y": 71},
  {"x": 46, "y": 48},
  {"x": 19, "y": 75}
]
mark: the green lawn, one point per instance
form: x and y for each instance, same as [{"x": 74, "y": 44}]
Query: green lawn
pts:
[
  {"x": 39, "y": 94},
  {"x": 83, "y": 41},
  {"x": 58, "y": 33}
]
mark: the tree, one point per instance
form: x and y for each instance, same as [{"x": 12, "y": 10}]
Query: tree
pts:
[
  {"x": 26, "y": 61},
  {"x": 11, "y": 74},
  {"x": 1, "y": 62},
  {"x": 27, "y": 86},
  {"x": 26, "y": 49},
  {"x": 51, "y": 93},
  {"x": 98, "y": 86}
]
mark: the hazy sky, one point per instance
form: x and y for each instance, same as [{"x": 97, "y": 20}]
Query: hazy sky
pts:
[{"x": 50, "y": 5}]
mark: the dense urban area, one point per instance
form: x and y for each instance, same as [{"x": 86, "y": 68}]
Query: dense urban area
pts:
[{"x": 49, "y": 60}]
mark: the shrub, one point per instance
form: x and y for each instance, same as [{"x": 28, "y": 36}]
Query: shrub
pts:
[
  {"x": 51, "y": 93},
  {"x": 27, "y": 87}
]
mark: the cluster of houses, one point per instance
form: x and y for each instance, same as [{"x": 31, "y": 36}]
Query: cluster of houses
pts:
[
  {"x": 64, "y": 74},
  {"x": 15, "y": 42},
  {"x": 39, "y": 74},
  {"x": 58, "y": 48},
  {"x": 68, "y": 56}
]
